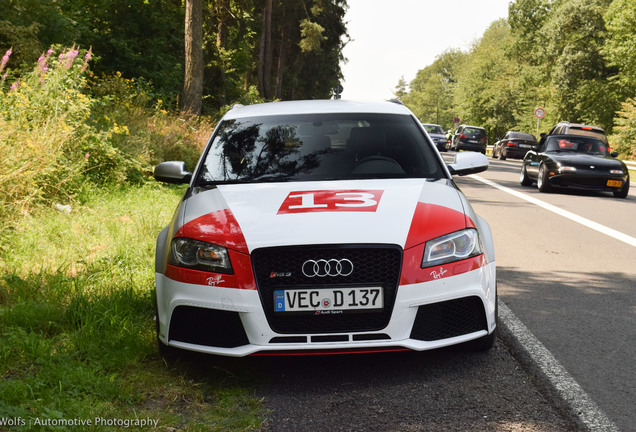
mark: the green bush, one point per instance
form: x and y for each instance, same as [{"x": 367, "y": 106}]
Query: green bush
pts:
[
  {"x": 62, "y": 131},
  {"x": 41, "y": 126},
  {"x": 624, "y": 138}
]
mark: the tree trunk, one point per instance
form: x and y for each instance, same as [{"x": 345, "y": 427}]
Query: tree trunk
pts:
[
  {"x": 193, "y": 80},
  {"x": 282, "y": 56},
  {"x": 265, "y": 53}
]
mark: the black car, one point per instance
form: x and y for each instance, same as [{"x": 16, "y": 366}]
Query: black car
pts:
[
  {"x": 438, "y": 135},
  {"x": 471, "y": 138},
  {"x": 514, "y": 145},
  {"x": 567, "y": 128},
  {"x": 576, "y": 162}
]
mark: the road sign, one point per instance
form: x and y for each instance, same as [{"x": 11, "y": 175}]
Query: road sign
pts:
[
  {"x": 539, "y": 113},
  {"x": 337, "y": 91}
]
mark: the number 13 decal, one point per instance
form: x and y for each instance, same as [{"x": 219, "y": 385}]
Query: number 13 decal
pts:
[{"x": 331, "y": 200}]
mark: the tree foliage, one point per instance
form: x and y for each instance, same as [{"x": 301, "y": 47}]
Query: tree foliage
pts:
[
  {"x": 295, "y": 45},
  {"x": 574, "y": 58},
  {"x": 431, "y": 95}
]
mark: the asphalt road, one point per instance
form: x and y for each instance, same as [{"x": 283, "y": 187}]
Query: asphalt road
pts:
[
  {"x": 571, "y": 282},
  {"x": 568, "y": 284}
]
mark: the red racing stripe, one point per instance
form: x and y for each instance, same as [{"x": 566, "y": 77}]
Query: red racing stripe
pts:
[
  {"x": 219, "y": 227},
  {"x": 243, "y": 277},
  {"x": 431, "y": 221}
]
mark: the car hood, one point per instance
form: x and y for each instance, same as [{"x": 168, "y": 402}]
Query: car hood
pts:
[
  {"x": 586, "y": 160},
  {"x": 244, "y": 217}
]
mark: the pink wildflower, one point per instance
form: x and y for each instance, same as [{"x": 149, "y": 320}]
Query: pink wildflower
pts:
[
  {"x": 70, "y": 57},
  {"x": 87, "y": 57},
  {"x": 5, "y": 59},
  {"x": 15, "y": 85}
]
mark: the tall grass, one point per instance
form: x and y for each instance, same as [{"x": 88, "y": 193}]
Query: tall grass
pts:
[
  {"x": 62, "y": 130},
  {"x": 77, "y": 330},
  {"x": 77, "y": 336}
]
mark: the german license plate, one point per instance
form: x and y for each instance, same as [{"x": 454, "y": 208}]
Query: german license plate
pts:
[
  {"x": 473, "y": 141},
  {"x": 614, "y": 183},
  {"x": 524, "y": 145},
  {"x": 324, "y": 299}
]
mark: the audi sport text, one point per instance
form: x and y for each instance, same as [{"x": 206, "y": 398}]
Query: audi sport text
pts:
[{"x": 323, "y": 226}]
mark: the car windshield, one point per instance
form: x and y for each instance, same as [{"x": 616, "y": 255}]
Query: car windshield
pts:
[
  {"x": 521, "y": 136},
  {"x": 576, "y": 144},
  {"x": 318, "y": 147},
  {"x": 474, "y": 132},
  {"x": 435, "y": 129},
  {"x": 587, "y": 131}
]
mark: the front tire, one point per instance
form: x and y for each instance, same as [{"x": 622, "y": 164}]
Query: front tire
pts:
[
  {"x": 523, "y": 177},
  {"x": 624, "y": 190},
  {"x": 542, "y": 180}
]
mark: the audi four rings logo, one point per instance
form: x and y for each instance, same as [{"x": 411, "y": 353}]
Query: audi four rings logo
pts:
[{"x": 331, "y": 267}]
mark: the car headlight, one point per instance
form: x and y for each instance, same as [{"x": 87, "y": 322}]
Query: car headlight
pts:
[
  {"x": 566, "y": 168},
  {"x": 198, "y": 255},
  {"x": 452, "y": 247}
]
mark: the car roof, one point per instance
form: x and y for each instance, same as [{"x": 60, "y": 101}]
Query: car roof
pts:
[
  {"x": 581, "y": 126},
  {"x": 316, "y": 107},
  {"x": 469, "y": 126},
  {"x": 575, "y": 136}
]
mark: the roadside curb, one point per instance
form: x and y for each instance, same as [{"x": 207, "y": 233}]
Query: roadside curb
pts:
[{"x": 550, "y": 376}]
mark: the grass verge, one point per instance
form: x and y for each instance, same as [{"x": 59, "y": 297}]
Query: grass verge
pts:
[{"x": 77, "y": 340}]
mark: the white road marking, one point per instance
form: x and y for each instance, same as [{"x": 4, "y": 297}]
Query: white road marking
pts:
[
  {"x": 574, "y": 217},
  {"x": 567, "y": 388}
]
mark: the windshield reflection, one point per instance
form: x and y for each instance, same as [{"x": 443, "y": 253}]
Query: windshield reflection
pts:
[{"x": 317, "y": 147}]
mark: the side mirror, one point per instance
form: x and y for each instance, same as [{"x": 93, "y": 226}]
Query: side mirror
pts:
[
  {"x": 172, "y": 172},
  {"x": 468, "y": 163},
  {"x": 614, "y": 154}
]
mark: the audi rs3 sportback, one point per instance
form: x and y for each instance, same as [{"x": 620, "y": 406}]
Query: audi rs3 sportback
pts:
[{"x": 323, "y": 227}]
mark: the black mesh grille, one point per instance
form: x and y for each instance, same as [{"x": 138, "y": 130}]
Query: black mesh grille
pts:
[
  {"x": 374, "y": 265},
  {"x": 449, "y": 319},
  {"x": 591, "y": 182},
  {"x": 209, "y": 327}
]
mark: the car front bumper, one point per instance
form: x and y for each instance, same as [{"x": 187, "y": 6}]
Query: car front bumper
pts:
[
  {"x": 232, "y": 322},
  {"x": 471, "y": 147},
  {"x": 588, "y": 181}
]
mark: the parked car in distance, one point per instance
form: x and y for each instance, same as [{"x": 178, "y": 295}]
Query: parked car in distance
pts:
[
  {"x": 575, "y": 162},
  {"x": 514, "y": 145},
  {"x": 438, "y": 135},
  {"x": 567, "y": 128},
  {"x": 472, "y": 138},
  {"x": 323, "y": 227}
]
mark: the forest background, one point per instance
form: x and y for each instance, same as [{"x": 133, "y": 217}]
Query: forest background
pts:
[
  {"x": 92, "y": 97},
  {"x": 574, "y": 58}
]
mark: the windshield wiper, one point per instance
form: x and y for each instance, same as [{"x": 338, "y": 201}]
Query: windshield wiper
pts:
[{"x": 270, "y": 178}]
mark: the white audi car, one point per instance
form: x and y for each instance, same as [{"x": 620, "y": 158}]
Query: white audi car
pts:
[{"x": 323, "y": 227}]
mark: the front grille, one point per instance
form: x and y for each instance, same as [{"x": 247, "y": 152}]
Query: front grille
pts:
[
  {"x": 449, "y": 319},
  {"x": 209, "y": 327},
  {"x": 374, "y": 265},
  {"x": 582, "y": 181}
]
